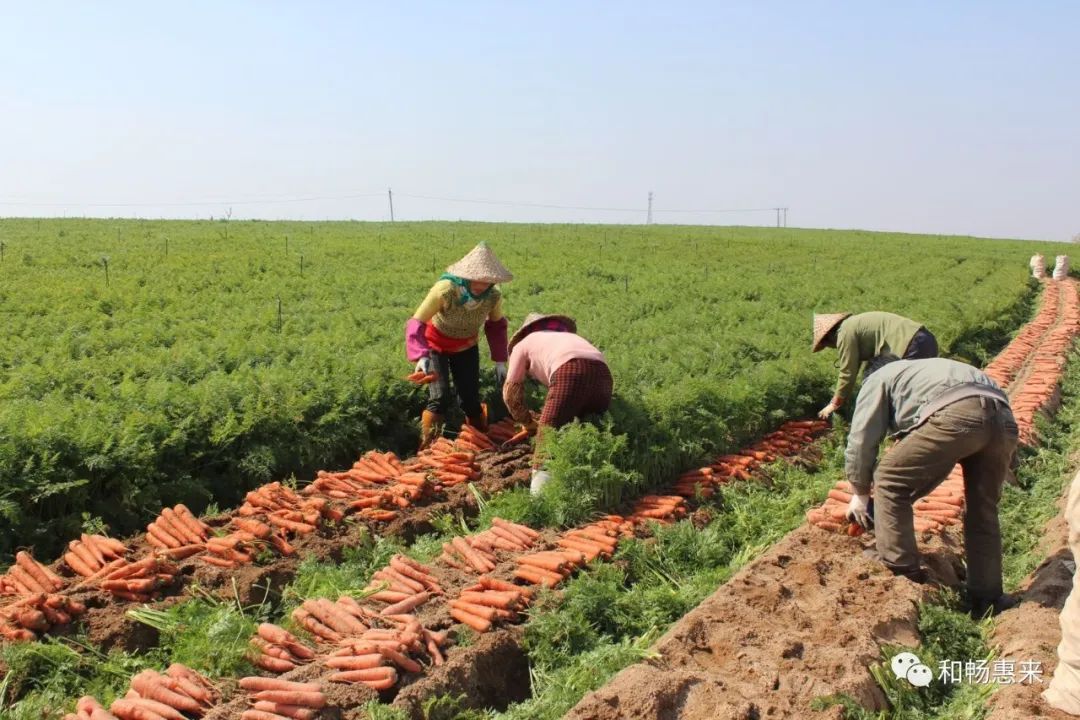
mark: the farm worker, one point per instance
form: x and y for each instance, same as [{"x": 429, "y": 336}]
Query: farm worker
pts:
[
  {"x": 943, "y": 412},
  {"x": 441, "y": 337},
  {"x": 548, "y": 349},
  {"x": 874, "y": 338},
  {"x": 1064, "y": 690}
]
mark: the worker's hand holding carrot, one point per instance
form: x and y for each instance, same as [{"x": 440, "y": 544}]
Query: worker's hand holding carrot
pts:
[{"x": 859, "y": 511}]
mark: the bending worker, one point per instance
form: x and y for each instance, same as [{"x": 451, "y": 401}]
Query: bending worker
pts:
[
  {"x": 874, "y": 338},
  {"x": 441, "y": 337},
  {"x": 944, "y": 412},
  {"x": 548, "y": 349}
]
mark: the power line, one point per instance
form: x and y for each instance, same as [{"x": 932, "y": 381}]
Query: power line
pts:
[
  {"x": 268, "y": 201},
  {"x": 271, "y": 200},
  {"x": 513, "y": 203}
]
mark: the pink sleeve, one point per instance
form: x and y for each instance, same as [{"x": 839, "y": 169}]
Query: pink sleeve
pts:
[
  {"x": 496, "y": 337},
  {"x": 416, "y": 345},
  {"x": 519, "y": 364}
]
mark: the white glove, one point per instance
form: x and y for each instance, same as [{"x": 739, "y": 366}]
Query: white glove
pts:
[
  {"x": 858, "y": 511},
  {"x": 540, "y": 478},
  {"x": 827, "y": 411},
  {"x": 424, "y": 365},
  {"x": 500, "y": 373}
]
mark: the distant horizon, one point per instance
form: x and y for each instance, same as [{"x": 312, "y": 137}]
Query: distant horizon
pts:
[
  {"x": 953, "y": 119},
  {"x": 79, "y": 218}
]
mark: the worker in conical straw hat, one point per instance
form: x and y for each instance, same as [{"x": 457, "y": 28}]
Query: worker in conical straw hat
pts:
[
  {"x": 874, "y": 338},
  {"x": 441, "y": 337},
  {"x": 548, "y": 349}
]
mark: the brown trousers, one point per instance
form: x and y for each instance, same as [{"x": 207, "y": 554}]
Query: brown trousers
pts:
[
  {"x": 981, "y": 435},
  {"x": 1064, "y": 690}
]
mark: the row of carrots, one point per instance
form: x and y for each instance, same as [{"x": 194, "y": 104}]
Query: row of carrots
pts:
[
  {"x": 376, "y": 487},
  {"x": 376, "y": 639},
  {"x": 789, "y": 440},
  {"x": 1040, "y": 348},
  {"x": 1037, "y": 389},
  {"x": 1005, "y": 366}
]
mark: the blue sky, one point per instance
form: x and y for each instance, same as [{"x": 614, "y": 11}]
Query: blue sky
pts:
[{"x": 925, "y": 117}]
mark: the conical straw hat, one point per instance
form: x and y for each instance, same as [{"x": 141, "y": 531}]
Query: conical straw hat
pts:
[
  {"x": 533, "y": 318},
  {"x": 481, "y": 265},
  {"x": 823, "y": 324}
]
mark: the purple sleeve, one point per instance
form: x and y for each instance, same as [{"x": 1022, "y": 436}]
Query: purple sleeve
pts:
[
  {"x": 496, "y": 337},
  {"x": 416, "y": 345}
]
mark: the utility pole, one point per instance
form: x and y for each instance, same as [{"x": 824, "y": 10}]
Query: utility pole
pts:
[
  {"x": 778, "y": 216},
  {"x": 390, "y": 195},
  {"x": 648, "y": 218},
  {"x": 785, "y": 217}
]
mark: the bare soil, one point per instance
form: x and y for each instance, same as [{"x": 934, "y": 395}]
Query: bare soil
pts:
[{"x": 804, "y": 620}]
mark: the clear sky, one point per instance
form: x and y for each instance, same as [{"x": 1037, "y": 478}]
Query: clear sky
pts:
[{"x": 957, "y": 117}]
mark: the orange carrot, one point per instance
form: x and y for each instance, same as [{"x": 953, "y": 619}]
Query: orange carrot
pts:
[
  {"x": 536, "y": 576},
  {"x": 402, "y": 661},
  {"x": 314, "y": 700},
  {"x": 83, "y": 554},
  {"x": 382, "y": 678},
  {"x": 78, "y": 565},
  {"x": 253, "y": 714},
  {"x": 544, "y": 562},
  {"x": 355, "y": 662},
  {"x": 261, "y": 683},
  {"x": 466, "y": 551},
  {"x": 492, "y": 598},
  {"x": 152, "y": 686},
  {"x": 127, "y": 710},
  {"x": 166, "y": 711},
  {"x": 274, "y": 664},
  {"x": 407, "y": 605},
  {"x": 478, "y": 624},
  {"x": 289, "y": 711},
  {"x": 496, "y": 584}
]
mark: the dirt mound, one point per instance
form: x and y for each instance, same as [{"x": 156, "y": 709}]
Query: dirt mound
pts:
[
  {"x": 492, "y": 673},
  {"x": 804, "y": 620},
  {"x": 1032, "y": 630}
]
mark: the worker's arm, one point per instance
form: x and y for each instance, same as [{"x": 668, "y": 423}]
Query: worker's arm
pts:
[
  {"x": 869, "y": 425},
  {"x": 495, "y": 330},
  {"x": 848, "y": 361},
  {"x": 416, "y": 344},
  {"x": 514, "y": 385}
]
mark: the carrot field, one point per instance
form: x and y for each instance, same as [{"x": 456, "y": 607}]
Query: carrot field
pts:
[
  {"x": 153, "y": 362},
  {"x": 236, "y": 390}
]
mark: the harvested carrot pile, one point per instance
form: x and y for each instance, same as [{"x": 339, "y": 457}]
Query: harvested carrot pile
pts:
[
  {"x": 276, "y": 699},
  {"x": 489, "y": 601},
  {"x": 403, "y": 585},
  {"x": 659, "y": 508},
  {"x": 139, "y": 581},
  {"x": 277, "y": 650},
  {"x": 376, "y": 486},
  {"x": 476, "y": 553},
  {"x": 91, "y": 553},
  {"x": 88, "y": 708},
  {"x": 27, "y": 576},
  {"x": 376, "y": 656},
  {"x": 35, "y": 613},
  {"x": 330, "y": 621},
  {"x": 177, "y": 529},
  {"x": 448, "y": 464},
  {"x": 506, "y": 433},
  {"x": 178, "y": 693}
]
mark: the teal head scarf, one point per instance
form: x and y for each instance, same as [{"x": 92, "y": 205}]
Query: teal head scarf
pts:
[{"x": 467, "y": 293}]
